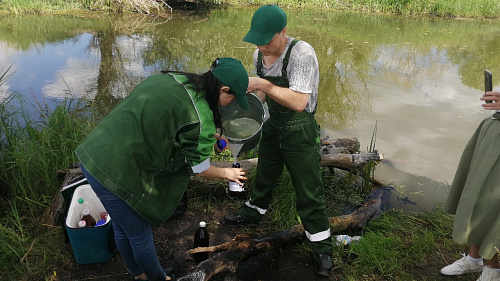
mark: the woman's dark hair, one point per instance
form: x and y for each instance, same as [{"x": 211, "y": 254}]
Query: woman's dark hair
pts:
[{"x": 210, "y": 85}]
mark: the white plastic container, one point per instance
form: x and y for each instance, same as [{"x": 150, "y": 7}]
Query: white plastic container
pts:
[
  {"x": 90, "y": 201},
  {"x": 89, "y": 244}
]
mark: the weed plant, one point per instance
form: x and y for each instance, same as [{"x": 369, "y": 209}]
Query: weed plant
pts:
[
  {"x": 400, "y": 246},
  {"x": 486, "y": 9},
  {"x": 35, "y": 142},
  {"x": 434, "y": 8},
  {"x": 40, "y": 7}
]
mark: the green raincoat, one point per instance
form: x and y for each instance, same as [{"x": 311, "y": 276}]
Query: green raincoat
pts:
[{"x": 147, "y": 147}]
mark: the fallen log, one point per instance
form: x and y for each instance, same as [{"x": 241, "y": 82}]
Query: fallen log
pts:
[
  {"x": 231, "y": 254},
  {"x": 350, "y": 161},
  {"x": 347, "y": 162},
  {"x": 351, "y": 145}
]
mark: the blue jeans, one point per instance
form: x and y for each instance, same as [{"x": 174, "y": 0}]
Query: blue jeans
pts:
[{"x": 133, "y": 234}]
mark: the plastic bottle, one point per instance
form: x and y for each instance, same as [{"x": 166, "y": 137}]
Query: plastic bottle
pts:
[
  {"x": 104, "y": 216},
  {"x": 201, "y": 239},
  {"x": 221, "y": 144},
  {"x": 82, "y": 224},
  {"x": 88, "y": 218},
  {"x": 100, "y": 222},
  {"x": 234, "y": 189},
  {"x": 82, "y": 202},
  {"x": 345, "y": 240}
]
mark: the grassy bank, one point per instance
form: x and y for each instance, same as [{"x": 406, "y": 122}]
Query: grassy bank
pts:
[
  {"x": 37, "y": 142},
  {"x": 31, "y": 153},
  {"x": 433, "y": 8},
  {"x": 484, "y": 9}
]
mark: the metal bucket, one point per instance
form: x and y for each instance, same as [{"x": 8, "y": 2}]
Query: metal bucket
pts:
[{"x": 256, "y": 112}]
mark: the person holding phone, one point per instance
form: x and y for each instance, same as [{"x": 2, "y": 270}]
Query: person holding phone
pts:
[{"x": 474, "y": 198}]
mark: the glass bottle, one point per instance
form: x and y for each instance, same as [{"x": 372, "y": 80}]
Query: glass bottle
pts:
[
  {"x": 234, "y": 189},
  {"x": 201, "y": 239},
  {"x": 88, "y": 218}
]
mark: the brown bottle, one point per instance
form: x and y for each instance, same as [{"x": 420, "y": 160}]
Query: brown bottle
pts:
[
  {"x": 201, "y": 239},
  {"x": 89, "y": 220}
]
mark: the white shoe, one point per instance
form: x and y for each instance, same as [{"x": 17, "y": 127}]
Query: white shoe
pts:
[
  {"x": 489, "y": 274},
  {"x": 463, "y": 266}
]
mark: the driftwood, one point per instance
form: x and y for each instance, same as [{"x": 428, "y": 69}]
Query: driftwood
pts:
[
  {"x": 341, "y": 153},
  {"x": 232, "y": 253}
]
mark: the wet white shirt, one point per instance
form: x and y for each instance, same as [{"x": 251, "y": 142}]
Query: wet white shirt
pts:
[{"x": 302, "y": 70}]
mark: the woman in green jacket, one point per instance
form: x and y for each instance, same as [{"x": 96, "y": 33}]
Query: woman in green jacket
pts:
[{"x": 139, "y": 158}]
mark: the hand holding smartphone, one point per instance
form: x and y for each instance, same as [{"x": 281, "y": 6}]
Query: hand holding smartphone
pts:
[{"x": 488, "y": 83}]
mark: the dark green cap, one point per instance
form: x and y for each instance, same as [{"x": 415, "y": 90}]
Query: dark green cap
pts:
[
  {"x": 231, "y": 73},
  {"x": 267, "y": 21}
]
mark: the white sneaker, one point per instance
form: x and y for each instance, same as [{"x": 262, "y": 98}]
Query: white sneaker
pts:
[
  {"x": 463, "y": 266},
  {"x": 489, "y": 275}
]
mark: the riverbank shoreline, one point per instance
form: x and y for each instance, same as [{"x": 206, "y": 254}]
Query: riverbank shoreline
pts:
[
  {"x": 31, "y": 155},
  {"x": 465, "y": 9}
]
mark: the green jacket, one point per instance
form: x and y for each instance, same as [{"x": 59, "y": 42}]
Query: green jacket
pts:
[{"x": 144, "y": 149}]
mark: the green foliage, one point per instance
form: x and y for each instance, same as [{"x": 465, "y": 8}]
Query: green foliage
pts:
[
  {"x": 395, "y": 242},
  {"x": 39, "y": 7},
  {"x": 72, "y": 6},
  {"x": 4, "y": 75},
  {"x": 437, "y": 8},
  {"x": 282, "y": 211},
  {"x": 33, "y": 149}
]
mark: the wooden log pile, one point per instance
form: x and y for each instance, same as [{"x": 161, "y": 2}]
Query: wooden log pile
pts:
[
  {"x": 231, "y": 254},
  {"x": 336, "y": 153},
  {"x": 341, "y": 153}
]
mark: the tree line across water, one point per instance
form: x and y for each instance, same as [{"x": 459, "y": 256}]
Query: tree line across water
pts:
[{"x": 481, "y": 9}]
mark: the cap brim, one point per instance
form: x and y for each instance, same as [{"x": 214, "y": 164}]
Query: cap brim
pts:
[
  {"x": 258, "y": 38},
  {"x": 242, "y": 100}
]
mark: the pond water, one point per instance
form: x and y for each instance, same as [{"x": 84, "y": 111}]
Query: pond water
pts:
[{"x": 412, "y": 83}]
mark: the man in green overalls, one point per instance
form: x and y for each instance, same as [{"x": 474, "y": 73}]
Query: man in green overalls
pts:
[{"x": 288, "y": 81}]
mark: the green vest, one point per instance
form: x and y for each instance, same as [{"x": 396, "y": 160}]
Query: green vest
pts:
[{"x": 144, "y": 149}]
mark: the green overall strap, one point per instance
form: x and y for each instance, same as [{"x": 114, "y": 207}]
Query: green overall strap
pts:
[
  {"x": 286, "y": 59},
  {"x": 281, "y": 81}
]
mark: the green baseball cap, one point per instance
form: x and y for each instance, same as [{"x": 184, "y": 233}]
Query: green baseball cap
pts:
[
  {"x": 266, "y": 21},
  {"x": 231, "y": 73}
]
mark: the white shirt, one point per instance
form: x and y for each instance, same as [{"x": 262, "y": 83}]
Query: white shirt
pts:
[{"x": 302, "y": 70}]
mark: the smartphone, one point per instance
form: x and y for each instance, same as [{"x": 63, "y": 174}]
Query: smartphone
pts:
[{"x": 488, "y": 83}]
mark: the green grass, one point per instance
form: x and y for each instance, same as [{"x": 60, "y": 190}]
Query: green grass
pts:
[
  {"x": 395, "y": 245},
  {"x": 72, "y": 6},
  {"x": 33, "y": 149},
  {"x": 39, "y": 7},
  {"x": 438, "y": 8},
  {"x": 31, "y": 153},
  {"x": 434, "y": 8},
  {"x": 484, "y": 9}
]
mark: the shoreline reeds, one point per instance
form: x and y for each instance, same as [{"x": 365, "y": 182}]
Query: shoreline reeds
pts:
[{"x": 478, "y": 9}]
